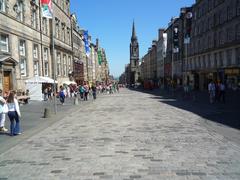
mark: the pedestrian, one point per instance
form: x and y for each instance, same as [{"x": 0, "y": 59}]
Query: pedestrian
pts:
[
  {"x": 94, "y": 91},
  {"x": 86, "y": 91},
  {"x": 14, "y": 114},
  {"x": 211, "y": 91},
  {"x": 3, "y": 112},
  {"x": 222, "y": 92},
  {"x": 49, "y": 93},
  {"x": 45, "y": 92},
  {"x": 62, "y": 95}
]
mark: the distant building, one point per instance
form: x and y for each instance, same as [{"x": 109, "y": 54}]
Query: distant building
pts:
[{"x": 134, "y": 57}]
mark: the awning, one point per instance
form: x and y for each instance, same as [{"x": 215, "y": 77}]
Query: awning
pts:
[
  {"x": 40, "y": 79},
  {"x": 69, "y": 82}
]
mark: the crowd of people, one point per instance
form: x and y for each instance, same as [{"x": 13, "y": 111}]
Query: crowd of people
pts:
[
  {"x": 84, "y": 90},
  {"x": 216, "y": 92}
]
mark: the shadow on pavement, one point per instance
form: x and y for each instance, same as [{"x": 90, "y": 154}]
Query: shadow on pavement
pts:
[{"x": 227, "y": 114}]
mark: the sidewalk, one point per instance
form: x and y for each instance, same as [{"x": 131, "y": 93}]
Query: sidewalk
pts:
[
  {"x": 226, "y": 114},
  {"x": 32, "y": 120}
]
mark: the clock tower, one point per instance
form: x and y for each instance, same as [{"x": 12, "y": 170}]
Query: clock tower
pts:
[{"x": 134, "y": 57}]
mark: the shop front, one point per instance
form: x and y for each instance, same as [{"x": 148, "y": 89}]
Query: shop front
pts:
[{"x": 232, "y": 78}]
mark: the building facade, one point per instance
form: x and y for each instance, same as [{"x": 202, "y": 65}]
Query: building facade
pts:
[
  {"x": 62, "y": 33},
  {"x": 214, "y": 50}
]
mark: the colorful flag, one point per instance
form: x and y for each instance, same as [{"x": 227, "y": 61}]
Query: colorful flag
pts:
[
  {"x": 99, "y": 57},
  {"x": 87, "y": 48},
  {"x": 47, "y": 10}
]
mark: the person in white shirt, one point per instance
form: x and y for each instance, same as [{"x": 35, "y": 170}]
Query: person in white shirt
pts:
[
  {"x": 2, "y": 113},
  {"x": 14, "y": 114},
  {"x": 211, "y": 90}
]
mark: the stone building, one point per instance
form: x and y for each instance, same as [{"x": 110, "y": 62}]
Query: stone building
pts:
[
  {"x": 26, "y": 45},
  {"x": 62, "y": 41},
  {"x": 214, "y": 50},
  {"x": 79, "y": 54},
  {"x": 161, "y": 54}
]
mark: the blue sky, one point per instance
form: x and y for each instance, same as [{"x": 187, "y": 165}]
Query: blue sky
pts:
[{"x": 111, "y": 22}]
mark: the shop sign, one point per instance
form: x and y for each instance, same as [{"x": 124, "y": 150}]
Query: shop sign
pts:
[{"x": 231, "y": 71}]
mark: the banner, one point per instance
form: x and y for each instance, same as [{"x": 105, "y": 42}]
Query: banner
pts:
[
  {"x": 47, "y": 10},
  {"x": 87, "y": 48},
  {"x": 99, "y": 57}
]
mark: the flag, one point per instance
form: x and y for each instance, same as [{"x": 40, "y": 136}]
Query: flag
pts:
[
  {"x": 47, "y": 10},
  {"x": 99, "y": 57},
  {"x": 87, "y": 48}
]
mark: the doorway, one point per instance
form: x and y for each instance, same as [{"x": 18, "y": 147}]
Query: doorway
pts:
[{"x": 7, "y": 81}]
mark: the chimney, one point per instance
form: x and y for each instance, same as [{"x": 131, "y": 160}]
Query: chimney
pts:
[
  {"x": 160, "y": 33},
  {"x": 97, "y": 43}
]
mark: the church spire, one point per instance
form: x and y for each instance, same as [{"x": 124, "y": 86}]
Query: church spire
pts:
[{"x": 133, "y": 31}]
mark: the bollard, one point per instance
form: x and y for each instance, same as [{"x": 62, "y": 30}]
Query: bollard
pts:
[
  {"x": 75, "y": 101},
  {"x": 46, "y": 113}
]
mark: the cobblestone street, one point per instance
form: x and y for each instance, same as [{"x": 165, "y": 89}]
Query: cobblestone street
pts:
[{"x": 125, "y": 136}]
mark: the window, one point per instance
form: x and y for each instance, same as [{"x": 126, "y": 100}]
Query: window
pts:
[
  {"x": 57, "y": 31},
  {"x": 238, "y": 7},
  {"x": 45, "y": 59},
  {"x": 64, "y": 65},
  {"x": 238, "y": 56},
  {"x": 23, "y": 66},
  {"x": 44, "y": 26},
  {"x": 230, "y": 34},
  {"x": 46, "y": 68},
  {"x": 19, "y": 10},
  {"x": 237, "y": 31},
  {"x": 36, "y": 68},
  {"x": 4, "y": 43},
  {"x": 69, "y": 36},
  {"x": 229, "y": 57},
  {"x": 2, "y": 6},
  {"x": 63, "y": 32},
  {"x": 69, "y": 63},
  {"x": 59, "y": 64},
  {"x": 221, "y": 58},
  {"x": 34, "y": 19},
  {"x": 22, "y": 48},
  {"x": 45, "y": 54},
  {"x": 35, "y": 51}
]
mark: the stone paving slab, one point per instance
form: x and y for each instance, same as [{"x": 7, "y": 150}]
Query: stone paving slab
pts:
[{"x": 124, "y": 136}]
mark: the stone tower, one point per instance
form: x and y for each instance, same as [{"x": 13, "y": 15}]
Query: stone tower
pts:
[{"x": 134, "y": 57}]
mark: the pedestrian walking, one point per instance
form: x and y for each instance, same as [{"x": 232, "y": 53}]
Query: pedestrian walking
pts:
[
  {"x": 49, "y": 93},
  {"x": 3, "y": 111},
  {"x": 94, "y": 91},
  {"x": 45, "y": 92},
  {"x": 62, "y": 96},
  {"x": 14, "y": 114},
  {"x": 222, "y": 92},
  {"x": 86, "y": 91},
  {"x": 211, "y": 91}
]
